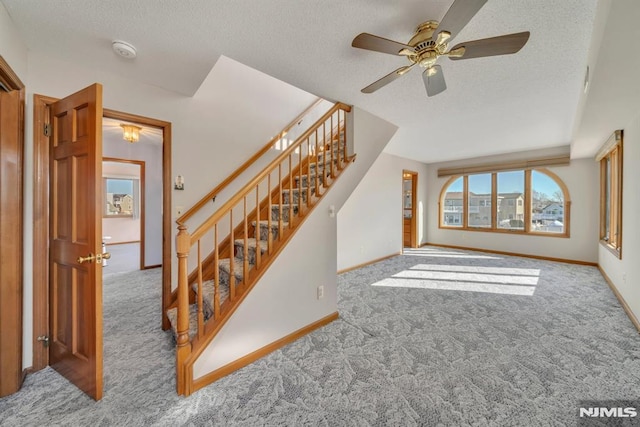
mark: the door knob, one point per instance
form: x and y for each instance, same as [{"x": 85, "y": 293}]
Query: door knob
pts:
[
  {"x": 100, "y": 257},
  {"x": 90, "y": 258}
]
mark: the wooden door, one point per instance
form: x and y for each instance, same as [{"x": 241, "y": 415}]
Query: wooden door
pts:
[
  {"x": 409, "y": 220},
  {"x": 10, "y": 242},
  {"x": 75, "y": 289}
]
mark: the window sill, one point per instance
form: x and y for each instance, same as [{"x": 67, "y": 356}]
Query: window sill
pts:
[
  {"x": 616, "y": 251},
  {"x": 506, "y": 231}
]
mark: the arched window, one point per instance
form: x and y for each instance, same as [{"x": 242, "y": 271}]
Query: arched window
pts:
[
  {"x": 531, "y": 201},
  {"x": 452, "y": 208}
]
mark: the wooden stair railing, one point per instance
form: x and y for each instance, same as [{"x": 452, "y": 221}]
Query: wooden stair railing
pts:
[
  {"x": 222, "y": 259},
  {"x": 211, "y": 195}
]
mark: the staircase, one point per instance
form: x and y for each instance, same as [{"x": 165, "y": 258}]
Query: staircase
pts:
[{"x": 225, "y": 256}]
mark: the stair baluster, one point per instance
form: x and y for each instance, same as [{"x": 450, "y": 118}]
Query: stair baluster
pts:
[{"x": 223, "y": 277}]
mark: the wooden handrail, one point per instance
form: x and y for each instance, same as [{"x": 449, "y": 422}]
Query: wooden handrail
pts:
[
  {"x": 229, "y": 204},
  {"x": 211, "y": 194},
  {"x": 245, "y": 263}
]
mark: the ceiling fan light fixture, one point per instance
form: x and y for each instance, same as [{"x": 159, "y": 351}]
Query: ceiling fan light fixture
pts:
[
  {"x": 130, "y": 133},
  {"x": 430, "y": 42},
  {"x": 456, "y": 53}
]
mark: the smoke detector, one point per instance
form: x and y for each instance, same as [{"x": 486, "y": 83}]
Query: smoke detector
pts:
[{"x": 124, "y": 49}]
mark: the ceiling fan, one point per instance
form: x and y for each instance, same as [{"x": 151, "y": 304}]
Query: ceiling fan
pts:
[{"x": 430, "y": 42}]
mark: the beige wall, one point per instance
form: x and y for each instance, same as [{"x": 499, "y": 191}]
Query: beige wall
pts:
[
  {"x": 625, "y": 272},
  {"x": 370, "y": 222},
  {"x": 581, "y": 178}
]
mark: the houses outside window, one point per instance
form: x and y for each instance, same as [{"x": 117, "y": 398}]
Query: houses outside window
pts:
[
  {"x": 529, "y": 201},
  {"x": 610, "y": 158},
  {"x": 452, "y": 204},
  {"x": 479, "y": 187}
]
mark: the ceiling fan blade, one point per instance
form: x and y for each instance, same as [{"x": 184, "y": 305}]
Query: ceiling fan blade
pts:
[
  {"x": 502, "y": 45},
  {"x": 386, "y": 79},
  {"x": 458, "y": 15},
  {"x": 378, "y": 44},
  {"x": 433, "y": 78}
]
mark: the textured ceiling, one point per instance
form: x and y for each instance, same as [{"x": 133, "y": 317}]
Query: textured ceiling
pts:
[{"x": 492, "y": 105}]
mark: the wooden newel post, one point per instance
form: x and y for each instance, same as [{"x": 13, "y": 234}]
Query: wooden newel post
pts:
[{"x": 183, "y": 349}]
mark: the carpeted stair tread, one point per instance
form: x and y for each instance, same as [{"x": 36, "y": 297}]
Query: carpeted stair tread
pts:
[
  {"x": 251, "y": 243},
  {"x": 172, "y": 315},
  {"x": 284, "y": 210},
  {"x": 238, "y": 267},
  {"x": 274, "y": 224},
  {"x": 251, "y": 249},
  {"x": 207, "y": 295},
  {"x": 322, "y": 165},
  {"x": 294, "y": 194}
]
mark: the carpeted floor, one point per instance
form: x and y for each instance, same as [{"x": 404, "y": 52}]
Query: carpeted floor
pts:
[{"x": 432, "y": 337}]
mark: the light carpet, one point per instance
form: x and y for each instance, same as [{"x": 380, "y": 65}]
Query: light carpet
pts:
[{"x": 432, "y": 337}]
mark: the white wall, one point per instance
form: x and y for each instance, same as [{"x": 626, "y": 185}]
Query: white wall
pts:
[
  {"x": 235, "y": 112},
  {"x": 370, "y": 221},
  {"x": 580, "y": 177},
  {"x": 625, "y": 272},
  {"x": 284, "y": 300},
  {"x": 12, "y": 49}
]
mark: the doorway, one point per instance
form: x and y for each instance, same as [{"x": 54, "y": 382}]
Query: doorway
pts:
[
  {"x": 409, "y": 217},
  {"x": 123, "y": 217},
  {"x": 41, "y": 217}
]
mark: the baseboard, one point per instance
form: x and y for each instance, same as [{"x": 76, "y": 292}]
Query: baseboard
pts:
[
  {"x": 252, "y": 357},
  {"x": 621, "y": 299},
  {"x": 544, "y": 258},
  {"x": 149, "y": 267},
  {"x": 355, "y": 267}
]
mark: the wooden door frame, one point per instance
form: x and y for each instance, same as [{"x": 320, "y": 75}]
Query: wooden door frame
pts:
[
  {"x": 11, "y": 331},
  {"x": 41, "y": 106},
  {"x": 140, "y": 163},
  {"x": 414, "y": 197}
]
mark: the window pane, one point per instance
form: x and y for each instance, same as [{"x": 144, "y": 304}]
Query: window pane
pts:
[
  {"x": 453, "y": 210},
  {"x": 511, "y": 200},
  {"x": 607, "y": 198},
  {"x": 547, "y": 204},
  {"x": 480, "y": 200}
]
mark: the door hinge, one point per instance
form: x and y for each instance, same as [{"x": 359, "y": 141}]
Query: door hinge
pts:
[
  {"x": 47, "y": 129},
  {"x": 44, "y": 339}
]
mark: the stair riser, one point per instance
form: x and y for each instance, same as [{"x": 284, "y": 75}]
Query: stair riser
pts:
[
  {"x": 321, "y": 156},
  {"x": 224, "y": 278},
  {"x": 305, "y": 181},
  {"x": 251, "y": 253},
  {"x": 323, "y": 166},
  {"x": 286, "y": 212},
  {"x": 264, "y": 231},
  {"x": 293, "y": 198}
]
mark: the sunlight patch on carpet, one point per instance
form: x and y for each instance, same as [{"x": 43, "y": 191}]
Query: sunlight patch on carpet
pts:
[
  {"x": 439, "y": 253},
  {"x": 494, "y": 280}
]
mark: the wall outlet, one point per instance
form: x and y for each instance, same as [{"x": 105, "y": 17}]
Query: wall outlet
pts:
[
  {"x": 320, "y": 292},
  {"x": 624, "y": 277},
  {"x": 179, "y": 210}
]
